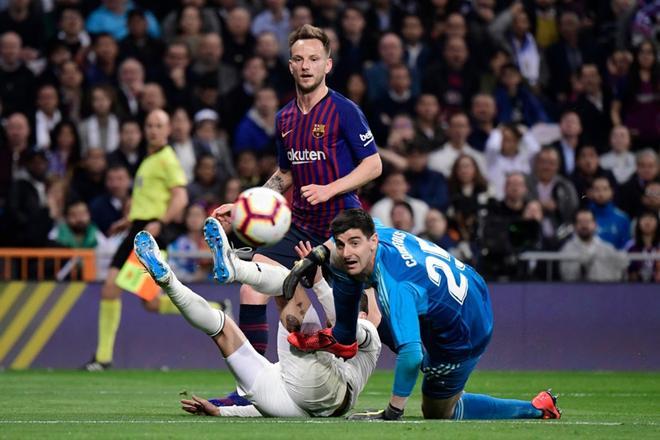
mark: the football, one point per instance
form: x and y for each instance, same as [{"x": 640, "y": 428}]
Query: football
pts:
[{"x": 260, "y": 216}]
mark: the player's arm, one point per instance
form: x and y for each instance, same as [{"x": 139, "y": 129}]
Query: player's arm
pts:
[{"x": 280, "y": 181}]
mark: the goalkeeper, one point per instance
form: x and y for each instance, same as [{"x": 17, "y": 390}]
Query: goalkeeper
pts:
[{"x": 301, "y": 384}]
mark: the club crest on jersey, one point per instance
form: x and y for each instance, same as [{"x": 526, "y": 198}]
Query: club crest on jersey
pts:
[{"x": 318, "y": 131}]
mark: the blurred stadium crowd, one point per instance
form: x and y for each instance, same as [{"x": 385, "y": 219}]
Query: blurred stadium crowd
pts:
[{"x": 505, "y": 126}]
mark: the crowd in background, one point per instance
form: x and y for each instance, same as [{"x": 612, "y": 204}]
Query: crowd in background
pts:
[{"x": 505, "y": 126}]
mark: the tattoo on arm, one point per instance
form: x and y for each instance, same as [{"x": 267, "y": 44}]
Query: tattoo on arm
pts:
[{"x": 276, "y": 183}]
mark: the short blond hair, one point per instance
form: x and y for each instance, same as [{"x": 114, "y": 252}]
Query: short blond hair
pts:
[{"x": 309, "y": 32}]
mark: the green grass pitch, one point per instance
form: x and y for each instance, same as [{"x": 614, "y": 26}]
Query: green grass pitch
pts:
[{"x": 130, "y": 404}]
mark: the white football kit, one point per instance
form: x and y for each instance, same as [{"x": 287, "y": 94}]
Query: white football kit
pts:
[{"x": 302, "y": 384}]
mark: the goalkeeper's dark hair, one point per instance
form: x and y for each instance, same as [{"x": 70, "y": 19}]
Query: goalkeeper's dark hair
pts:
[{"x": 353, "y": 219}]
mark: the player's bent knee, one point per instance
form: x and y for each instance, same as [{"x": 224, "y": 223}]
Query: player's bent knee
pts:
[
  {"x": 250, "y": 296},
  {"x": 439, "y": 409}
]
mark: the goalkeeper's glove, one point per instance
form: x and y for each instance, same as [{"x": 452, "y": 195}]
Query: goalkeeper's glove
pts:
[
  {"x": 390, "y": 414},
  {"x": 304, "y": 270}
]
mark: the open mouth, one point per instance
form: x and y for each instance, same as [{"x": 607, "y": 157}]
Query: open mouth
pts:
[{"x": 350, "y": 264}]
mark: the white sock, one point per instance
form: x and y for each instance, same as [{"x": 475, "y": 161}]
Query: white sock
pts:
[
  {"x": 324, "y": 295},
  {"x": 264, "y": 278},
  {"x": 193, "y": 307}
]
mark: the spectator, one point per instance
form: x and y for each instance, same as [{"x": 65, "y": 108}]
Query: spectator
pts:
[
  {"x": 483, "y": 115},
  {"x": 274, "y": 18},
  {"x": 108, "y": 210},
  {"x": 190, "y": 269},
  {"x": 400, "y": 96},
  {"x": 206, "y": 187},
  {"x": 101, "y": 129},
  {"x": 514, "y": 201},
  {"x": 512, "y": 29},
  {"x": 56, "y": 54},
  {"x": 417, "y": 52},
  {"x": 390, "y": 52},
  {"x": 19, "y": 17},
  {"x": 72, "y": 33},
  {"x": 402, "y": 216},
  {"x": 88, "y": 180},
  {"x": 47, "y": 115},
  {"x": 428, "y": 130},
  {"x": 210, "y": 23},
  {"x": 356, "y": 91},
  {"x": 131, "y": 151},
  {"x": 357, "y": 45},
  {"x": 469, "y": 196},
  {"x": 555, "y": 192},
  {"x": 637, "y": 106},
  {"x": 395, "y": 189},
  {"x": 436, "y": 230},
  {"x": 587, "y": 169},
  {"x": 651, "y": 197},
  {"x": 619, "y": 159},
  {"x": 492, "y": 73},
  {"x": 77, "y": 230},
  {"x": 256, "y": 131},
  {"x": 595, "y": 260},
  {"x": 239, "y": 42},
  {"x": 613, "y": 224},
  {"x": 267, "y": 47},
  {"x": 646, "y": 240},
  {"x": 231, "y": 190},
  {"x": 28, "y": 214},
  {"x": 64, "y": 152},
  {"x": 515, "y": 102},
  {"x": 452, "y": 80},
  {"x": 175, "y": 77},
  {"x": 247, "y": 169},
  {"x": 188, "y": 28},
  {"x": 152, "y": 98},
  {"x": 570, "y": 128},
  {"x": 425, "y": 184},
  {"x": 187, "y": 149},
  {"x": 239, "y": 100},
  {"x": 508, "y": 150},
  {"x": 209, "y": 134},
  {"x": 209, "y": 62},
  {"x": 566, "y": 56},
  {"x": 17, "y": 83},
  {"x": 443, "y": 159},
  {"x": 111, "y": 16},
  {"x": 14, "y": 148},
  {"x": 138, "y": 43},
  {"x": 71, "y": 90},
  {"x": 102, "y": 61},
  {"x": 593, "y": 106},
  {"x": 56, "y": 196},
  {"x": 629, "y": 196},
  {"x": 130, "y": 87}
]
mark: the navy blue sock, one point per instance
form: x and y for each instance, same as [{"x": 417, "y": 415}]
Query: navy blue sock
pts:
[
  {"x": 483, "y": 407},
  {"x": 253, "y": 321},
  {"x": 347, "y": 308}
]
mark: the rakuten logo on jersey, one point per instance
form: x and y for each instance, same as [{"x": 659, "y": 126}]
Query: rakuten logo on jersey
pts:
[
  {"x": 367, "y": 138},
  {"x": 297, "y": 157}
]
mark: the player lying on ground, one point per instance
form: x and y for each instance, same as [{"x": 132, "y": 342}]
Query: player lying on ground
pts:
[
  {"x": 435, "y": 308},
  {"x": 301, "y": 384}
]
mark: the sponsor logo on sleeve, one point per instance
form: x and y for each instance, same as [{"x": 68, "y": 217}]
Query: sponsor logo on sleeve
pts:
[{"x": 367, "y": 138}]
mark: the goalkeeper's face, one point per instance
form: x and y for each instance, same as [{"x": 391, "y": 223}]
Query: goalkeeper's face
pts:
[
  {"x": 356, "y": 251},
  {"x": 309, "y": 63}
]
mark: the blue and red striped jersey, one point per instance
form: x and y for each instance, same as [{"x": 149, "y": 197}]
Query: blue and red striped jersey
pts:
[{"x": 318, "y": 148}]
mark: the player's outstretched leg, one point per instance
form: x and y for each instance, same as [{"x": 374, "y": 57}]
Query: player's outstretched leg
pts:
[
  {"x": 192, "y": 306},
  {"x": 480, "y": 406},
  {"x": 227, "y": 267}
]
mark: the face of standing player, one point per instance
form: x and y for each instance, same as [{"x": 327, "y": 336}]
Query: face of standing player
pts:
[
  {"x": 356, "y": 251},
  {"x": 157, "y": 128},
  {"x": 309, "y": 63}
]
